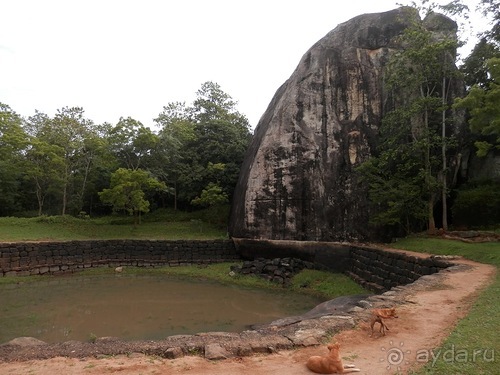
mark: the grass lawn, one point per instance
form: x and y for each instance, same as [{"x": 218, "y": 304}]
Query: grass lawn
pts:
[
  {"x": 58, "y": 228},
  {"x": 472, "y": 346}
]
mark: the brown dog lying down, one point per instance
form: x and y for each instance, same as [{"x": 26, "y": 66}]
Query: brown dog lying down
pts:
[
  {"x": 377, "y": 317},
  {"x": 330, "y": 364}
]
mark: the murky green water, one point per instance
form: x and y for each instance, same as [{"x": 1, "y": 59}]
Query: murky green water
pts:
[{"x": 136, "y": 307}]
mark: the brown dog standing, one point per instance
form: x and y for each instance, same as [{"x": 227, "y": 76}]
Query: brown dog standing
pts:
[
  {"x": 330, "y": 364},
  {"x": 378, "y": 316}
]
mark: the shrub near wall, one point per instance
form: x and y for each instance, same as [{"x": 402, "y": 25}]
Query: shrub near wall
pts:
[{"x": 38, "y": 258}]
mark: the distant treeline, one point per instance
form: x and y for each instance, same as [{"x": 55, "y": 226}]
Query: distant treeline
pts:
[{"x": 59, "y": 165}]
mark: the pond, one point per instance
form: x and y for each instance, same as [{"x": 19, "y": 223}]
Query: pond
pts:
[{"x": 136, "y": 308}]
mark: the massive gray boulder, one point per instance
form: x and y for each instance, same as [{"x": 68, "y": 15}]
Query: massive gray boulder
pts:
[{"x": 297, "y": 180}]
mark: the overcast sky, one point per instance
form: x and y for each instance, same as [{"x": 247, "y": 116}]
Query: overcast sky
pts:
[{"x": 120, "y": 58}]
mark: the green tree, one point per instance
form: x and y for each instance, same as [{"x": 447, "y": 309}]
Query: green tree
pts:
[
  {"x": 65, "y": 137},
  {"x": 13, "y": 143},
  {"x": 416, "y": 131},
  {"x": 223, "y": 135},
  {"x": 212, "y": 195},
  {"x": 484, "y": 108},
  {"x": 397, "y": 184},
  {"x": 95, "y": 164},
  {"x": 474, "y": 67},
  {"x": 128, "y": 189},
  {"x": 490, "y": 9},
  {"x": 194, "y": 138},
  {"x": 44, "y": 162},
  {"x": 44, "y": 168},
  {"x": 173, "y": 155},
  {"x": 132, "y": 143},
  {"x": 63, "y": 154}
]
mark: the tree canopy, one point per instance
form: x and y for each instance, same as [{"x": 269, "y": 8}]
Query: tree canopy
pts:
[
  {"x": 483, "y": 104},
  {"x": 127, "y": 191},
  {"x": 67, "y": 164}
]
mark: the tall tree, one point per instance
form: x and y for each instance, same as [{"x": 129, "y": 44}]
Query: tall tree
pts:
[
  {"x": 396, "y": 178},
  {"x": 491, "y": 10},
  {"x": 419, "y": 124},
  {"x": 481, "y": 70},
  {"x": 46, "y": 169},
  {"x": 223, "y": 134},
  {"x": 474, "y": 67},
  {"x": 483, "y": 104},
  {"x": 210, "y": 132},
  {"x": 44, "y": 160},
  {"x": 173, "y": 156},
  {"x": 132, "y": 142},
  {"x": 13, "y": 143},
  {"x": 69, "y": 130},
  {"x": 62, "y": 154}
]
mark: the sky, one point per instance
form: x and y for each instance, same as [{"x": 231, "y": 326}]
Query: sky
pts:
[{"x": 123, "y": 58}]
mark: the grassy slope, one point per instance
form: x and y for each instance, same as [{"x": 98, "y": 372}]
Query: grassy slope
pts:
[{"x": 478, "y": 331}]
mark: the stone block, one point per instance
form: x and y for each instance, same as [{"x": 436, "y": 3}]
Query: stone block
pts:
[
  {"x": 216, "y": 351},
  {"x": 175, "y": 352}
]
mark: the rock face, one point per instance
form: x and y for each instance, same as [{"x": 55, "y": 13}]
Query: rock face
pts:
[{"x": 297, "y": 181}]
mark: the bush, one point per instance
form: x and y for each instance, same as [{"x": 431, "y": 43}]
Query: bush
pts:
[{"x": 477, "y": 205}]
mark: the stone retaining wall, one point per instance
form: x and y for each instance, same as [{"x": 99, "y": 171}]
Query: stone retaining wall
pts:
[
  {"x": 375, "y": 269},
  {"x": 380, "y": 270},
  {"x": 38, "y": 258}
]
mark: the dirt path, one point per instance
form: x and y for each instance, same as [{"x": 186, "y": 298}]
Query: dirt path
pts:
[{"x": 424, "y": 322}]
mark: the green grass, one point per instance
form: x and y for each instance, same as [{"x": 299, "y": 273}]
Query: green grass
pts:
[
  {"x": 326, "y": 284},
  {"x": 483, "y": 252},
  {"x": 477, "y": 333},
  {"x": 20, "y": 279},
  {"x": 66, "y": 228}
]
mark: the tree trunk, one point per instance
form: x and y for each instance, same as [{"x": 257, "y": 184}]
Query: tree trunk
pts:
[
  {"x": 65, "y": 189},
  {"x": 64, "y": 199},
  {"x": 443, "y": 154},
  {"x": 428, "y": 171},
  {"x": 432, "y": 223},
  {"x": 175, "y": 195},
  {"x": 40, "y": 198}
]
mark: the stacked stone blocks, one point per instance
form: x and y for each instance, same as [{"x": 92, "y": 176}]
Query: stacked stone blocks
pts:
[{"x": 39, "y": 258}]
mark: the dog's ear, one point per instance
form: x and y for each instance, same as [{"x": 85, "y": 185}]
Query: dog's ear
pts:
[{"x": 330, "y": 346}]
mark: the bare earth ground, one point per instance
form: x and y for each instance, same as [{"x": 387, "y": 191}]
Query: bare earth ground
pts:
[{"x": 425, "y": 320}]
